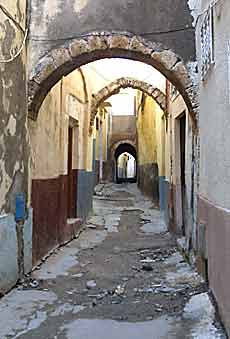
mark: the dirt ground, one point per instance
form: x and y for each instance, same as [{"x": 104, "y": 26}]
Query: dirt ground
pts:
[{"x": 122, "y": 278}]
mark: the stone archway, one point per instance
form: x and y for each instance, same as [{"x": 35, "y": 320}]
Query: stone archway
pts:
[
  {"x": 117, "y": 149},
  {"x": 98, "y": 45},
  {"x": 114, "y": 88}
]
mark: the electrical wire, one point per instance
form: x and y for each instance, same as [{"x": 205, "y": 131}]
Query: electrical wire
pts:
[
  {"x": 25, "y": 33},
  {"x": 2, "y": 61},
  {"x": 143, "y": 34},
  {"x": 7, "y": 13}
]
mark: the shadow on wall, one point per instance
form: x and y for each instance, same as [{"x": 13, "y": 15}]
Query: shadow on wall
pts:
[{"x": 148, "y": 181}]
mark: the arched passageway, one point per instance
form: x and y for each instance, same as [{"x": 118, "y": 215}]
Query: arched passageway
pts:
[
  {"x": 60, "y": 62},
  {"x": 124, "y": 150},
  {"x": 73, "y": 54}
]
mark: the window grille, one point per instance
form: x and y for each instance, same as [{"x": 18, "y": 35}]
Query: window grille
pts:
[{"x": 207, "y": 43}]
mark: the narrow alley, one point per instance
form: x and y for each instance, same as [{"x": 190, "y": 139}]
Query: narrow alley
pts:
[
  {"x": 122, "y": 277},
  {"x": 114, "y": 169}
]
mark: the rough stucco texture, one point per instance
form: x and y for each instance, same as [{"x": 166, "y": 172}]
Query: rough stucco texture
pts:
[
  {"x": 215, "y": 119},
  {"x": 8, "y": 253},
  {"x": 61, "y": 19},
  {"x": 13, "y": 133}
]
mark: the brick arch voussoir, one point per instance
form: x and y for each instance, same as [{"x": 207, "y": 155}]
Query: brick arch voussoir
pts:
[{"x": 97, "y": 45}]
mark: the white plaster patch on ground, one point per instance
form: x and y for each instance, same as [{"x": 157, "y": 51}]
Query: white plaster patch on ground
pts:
[
  {"x": 99, "y": 329},
  {"x": 90, "y": 238},
  {"x": 201, "y": 312},
  {"x": 59, "y": 264},
  {"x": 174, "y": 259},
  {"x": 65, "y": 308},
  {"x": 97, "y": 220},
  {"x": 34, "y": 323},
  {"x": 112, "y": 222},
  {"x": 152, "y": 228},
  {"x": 19, "y": 306}
]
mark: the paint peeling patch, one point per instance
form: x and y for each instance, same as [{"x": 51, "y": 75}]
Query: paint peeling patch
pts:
[
  {"x": 11, "y": 127},
  {"x": 19, "y": 306},
  {"x": 79, "y": 5}
]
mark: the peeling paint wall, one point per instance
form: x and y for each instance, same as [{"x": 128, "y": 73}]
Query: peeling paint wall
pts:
[
  {"x": 15, "y": 239},
  {"x": 14, "y": 153}
]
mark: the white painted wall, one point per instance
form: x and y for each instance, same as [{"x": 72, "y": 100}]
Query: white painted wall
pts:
[{"x": 215, "y": 113}]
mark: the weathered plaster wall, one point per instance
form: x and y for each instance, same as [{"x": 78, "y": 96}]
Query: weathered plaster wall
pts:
[
  {"x": 13, "y": 137},
  {"x": 46, "y": 141},
  {"x": 62, "y": 20},
  {"x": 214, "y": 121},
  {"x": 15, "y": 247}
]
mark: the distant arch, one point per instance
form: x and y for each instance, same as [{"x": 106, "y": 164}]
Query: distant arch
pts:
[
  {"x": 114, "y": 88},
  {"x": 123, "y": 146}
]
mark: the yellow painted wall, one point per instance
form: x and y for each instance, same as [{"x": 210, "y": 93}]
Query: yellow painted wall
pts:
[
  {"x": 45, "y": 136},
  {"x": 149, "y": 129},
  {"x": 65, "y": 105}
]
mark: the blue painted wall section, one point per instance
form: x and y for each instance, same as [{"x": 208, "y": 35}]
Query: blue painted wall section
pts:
[{"x": 86, "y": 183}]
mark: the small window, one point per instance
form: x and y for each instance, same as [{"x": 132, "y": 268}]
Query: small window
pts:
[{"x": 207, "y": 43}]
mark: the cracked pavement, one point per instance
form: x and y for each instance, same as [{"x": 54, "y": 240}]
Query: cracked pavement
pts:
[{"x": 122, "y": 278}]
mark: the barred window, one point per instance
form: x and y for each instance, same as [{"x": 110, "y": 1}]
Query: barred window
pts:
[{"x": 207, "y": 43}]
